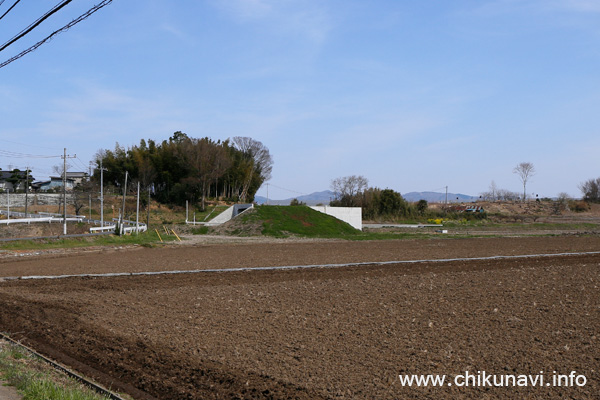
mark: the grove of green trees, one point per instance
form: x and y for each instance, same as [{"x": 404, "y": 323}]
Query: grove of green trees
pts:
[
  {"x": 376, "y": 203},
  {"x": 184, "y": 168}
]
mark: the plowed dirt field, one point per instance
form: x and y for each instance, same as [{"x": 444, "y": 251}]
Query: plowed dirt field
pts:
[{"x": 320, "y": 333}]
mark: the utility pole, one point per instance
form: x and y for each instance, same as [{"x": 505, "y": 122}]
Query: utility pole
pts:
[
  {"x": 137, "y": 211},
  {"x": 65, "y": 192},
  {"x": 64, "y": 157},
  {"x": 26, "y": 188},
  {"x": 8, "y": 203},
  {"x": 102, "y": 194},
  {"x": 122, "y": 216},
  {"x": 148, "y": 212},
  {"x": 446, "y": 196}
]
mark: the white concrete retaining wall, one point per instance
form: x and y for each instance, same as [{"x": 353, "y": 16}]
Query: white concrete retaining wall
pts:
[
  {"x": 221, "y": 218},
  {"x": 228, "y": 214},
  {"x": 18, "y": 199},
  {"x": 351, "y": 215}
]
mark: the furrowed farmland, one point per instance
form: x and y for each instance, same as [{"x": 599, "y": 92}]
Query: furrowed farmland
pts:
[{"x": 340, "y": 319}]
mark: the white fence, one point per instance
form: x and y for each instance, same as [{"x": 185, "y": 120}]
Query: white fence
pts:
[{"x": 22, "y": 218}]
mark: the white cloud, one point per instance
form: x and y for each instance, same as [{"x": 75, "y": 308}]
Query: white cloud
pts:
[
  {"x": 592, "y": 6},
  {"x": 307, "y": 19},
  {"x": 533, "y": 7},
  {"x": 248, "y": 9},
  {"x": 94, "y": 117},
  {"x": 178, "y": 33}
]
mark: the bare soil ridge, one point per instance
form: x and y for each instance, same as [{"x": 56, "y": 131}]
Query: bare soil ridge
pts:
[{"x": 343, "y": 334}]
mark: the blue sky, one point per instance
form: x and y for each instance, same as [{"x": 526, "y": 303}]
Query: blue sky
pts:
[{"x": 414, "y": 95}]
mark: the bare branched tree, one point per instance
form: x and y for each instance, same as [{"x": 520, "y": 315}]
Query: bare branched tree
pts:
[
  {"x": 263, "y": 162},
  {"x": 525, "y": 171},
  {"x": 347, "y": 187},
  {"x": 591, "y": 190},
  {"x": 260, "y": 162},
  {"x": 208, "y": 161},
  {"x": 59, "y": 169},
  {"x": 491, "y": 194}
]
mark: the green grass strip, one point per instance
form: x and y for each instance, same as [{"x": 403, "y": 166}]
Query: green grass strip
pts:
[
  {"x": 35, "y": 380},
  {"x": 144, "y": 239}
]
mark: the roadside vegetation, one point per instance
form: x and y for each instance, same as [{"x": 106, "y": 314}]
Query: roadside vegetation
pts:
[
  {"x": 302, "y": 221},
  {"x": 36, "y": 380},
  {"x": 147, "y": 239}
]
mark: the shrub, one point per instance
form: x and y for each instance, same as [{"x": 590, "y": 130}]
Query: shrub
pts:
[
  {"x": 422, "y": 206},
  {"x": 203, "y": 230},
  {"x": 579, "y": 205}
]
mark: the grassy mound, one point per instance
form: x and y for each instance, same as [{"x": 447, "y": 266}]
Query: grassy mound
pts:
[{"x": 285, "y": 221}]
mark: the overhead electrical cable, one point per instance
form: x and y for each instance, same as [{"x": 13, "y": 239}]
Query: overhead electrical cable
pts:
[
  {"x": 13, "y": 154},
  {"x": 288, "y": 190},
  {"x": 64, "y": 28},
  {"x": 81, "y": 163},
  {"x": 36, "y": 23},
  {"x": 11, "y": 7},
  {"x": 30, "y": 145}
]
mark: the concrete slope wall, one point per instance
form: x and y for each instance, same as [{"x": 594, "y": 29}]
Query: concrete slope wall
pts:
[
  {"x": 228, "y": 214},
  {"x": 18, "y": 199},
  {"x": 351, "y": 215}
]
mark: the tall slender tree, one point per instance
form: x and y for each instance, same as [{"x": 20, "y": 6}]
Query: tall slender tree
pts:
[{"x": 525, "y": 171}]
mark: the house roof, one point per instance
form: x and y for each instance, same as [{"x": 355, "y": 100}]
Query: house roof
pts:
[
  {"x": 59, "y": 178},
  {"x": 77, "y": 174},
  {"x": 4, "y": 175}
]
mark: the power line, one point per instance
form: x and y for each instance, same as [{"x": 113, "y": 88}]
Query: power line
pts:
[
  {"x": 64, "y": 28},
  {"x": 13, "y": 154},
  {"x": 81, "y": 163},
  {"x": 33, "y": 25},
  {"x": 11, "y": 7},
  {"x": 289, "y": 190},
  {"x": 29, "y": 145}
]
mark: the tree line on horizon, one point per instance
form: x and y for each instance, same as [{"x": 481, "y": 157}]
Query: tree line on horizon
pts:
[
  {"x": 185, "y": 168},
  {"x": 376, "y": 203}
]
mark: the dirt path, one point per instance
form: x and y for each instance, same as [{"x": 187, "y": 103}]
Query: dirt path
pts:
[
  {"x": 8, "y": 392},
  {"x": 275, "y": 253}
]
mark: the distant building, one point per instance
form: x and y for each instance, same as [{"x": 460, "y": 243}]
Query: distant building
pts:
[
  {"x": 467, "y": 209},
  {"x": 53, "y": 183},
  {"x": 73, "y": 179},
  {"x": 7, "y": 178},
  {"x": 78, "y": 177}
]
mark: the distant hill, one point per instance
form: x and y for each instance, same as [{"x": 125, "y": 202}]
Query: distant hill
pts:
[
  {"x": 326, "y": 196},
  {"x": 312, "y": 199},
  {"x": 435, "y": 197}
]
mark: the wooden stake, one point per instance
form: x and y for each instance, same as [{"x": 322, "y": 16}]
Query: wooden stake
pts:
[{"x": 177, "y": 236}]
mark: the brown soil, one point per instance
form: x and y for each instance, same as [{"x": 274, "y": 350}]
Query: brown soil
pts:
[
  {"x": 40, "y": 229},
  {"x": 533, "y": 211},
  {"x": 275, "y": 253},
  {"x": 318, "y": 333}
]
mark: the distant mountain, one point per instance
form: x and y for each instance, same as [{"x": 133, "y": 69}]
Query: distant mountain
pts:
[
  {"x": 326, "y": 196},
  {"x": 312, "y": 199},
  {"x": 435, "y": 197}
]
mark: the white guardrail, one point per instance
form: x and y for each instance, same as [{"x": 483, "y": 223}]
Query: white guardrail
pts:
[{"x": 22, "y": 218}]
